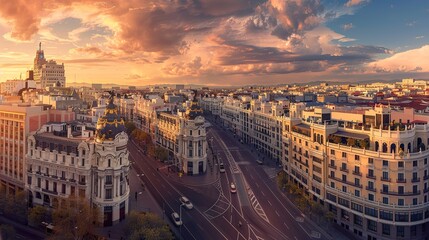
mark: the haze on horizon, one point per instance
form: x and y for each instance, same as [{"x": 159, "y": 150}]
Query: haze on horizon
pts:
[{"x": 218, "y": 42}]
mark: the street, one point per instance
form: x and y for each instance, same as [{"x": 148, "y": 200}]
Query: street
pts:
[{"x": 256, "y": 211}]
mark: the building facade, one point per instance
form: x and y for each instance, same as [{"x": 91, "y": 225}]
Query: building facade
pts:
[
  {"x": 16, "y": 122},
  {"x": 182, "y": 134},
  {"x": 48, "y": 73},
  {"x": 372, "y": 174},
  {"x": 66, "y": 160}
]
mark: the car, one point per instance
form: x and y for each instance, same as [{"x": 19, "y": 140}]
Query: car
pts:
[
  {"x": 176, "y": 218},
  {"x": 221, "y": 168},
  {"x": 185, "y": 201},
  {"x": 233, "y": 188},
  {"x": 259, "y": 162}
]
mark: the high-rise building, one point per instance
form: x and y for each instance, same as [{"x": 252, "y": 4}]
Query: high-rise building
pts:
[
  {"x": 48, "y": 73},
  {"x": 16, "y": 122}
]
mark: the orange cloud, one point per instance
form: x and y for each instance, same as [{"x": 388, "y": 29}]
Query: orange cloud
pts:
[{"x": 414, "y": 60}]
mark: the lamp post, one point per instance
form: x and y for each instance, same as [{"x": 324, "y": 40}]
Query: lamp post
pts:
[{"x": 180, "y": 217}]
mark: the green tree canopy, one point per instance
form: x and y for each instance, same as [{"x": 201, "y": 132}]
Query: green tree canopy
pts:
[{"x": 146, "y": 226}]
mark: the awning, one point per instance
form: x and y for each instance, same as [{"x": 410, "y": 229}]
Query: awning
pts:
[{"x": 357, "y": 136}]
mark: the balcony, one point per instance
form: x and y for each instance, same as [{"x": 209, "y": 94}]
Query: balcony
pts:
[
  {"x": 426, "y": 190},
  {"x": 386, "y": 179},
  {"x": 357, "y": 173},
  {"x": 344, "y": 170},
  {"x": 332, "y": 166},
  {"x": 426, "y": 177},
  {"x": 400, "y": 193},
  {"x": 415, "y": 180},
  {"x": 49, "y": 191},
  {"x": 82, "y": 183},
  {"x": 371, "y": 189},
  {"x": 371, "y": 176},
  {"x": 401, "y": 180}
]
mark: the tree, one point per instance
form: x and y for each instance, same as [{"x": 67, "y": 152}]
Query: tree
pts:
[
  {"x": 351, "y": 141},
  {"x": 146, "y": 226},
  {"x": 7, "y": 232},
  {"x": 161, "y": 153},
  {"x": 37, "y": 215},
  {"x": 75, "y": 219},
  {"x": 281, "y": 179},
  {"x": 130, "y": 126}
]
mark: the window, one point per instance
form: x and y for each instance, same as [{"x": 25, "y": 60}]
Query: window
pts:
[
  {"x": 344, "y": 178},
  {"x": 332, "y": 162},
  {"x": 83, "y": 162},
  {"x": 370, "y": 185},
  {"x": 385, "y": 188},
  {"x": 109, "y": 179},
  {"x": 343, "y": 166},
  {"x": 385, "y": 229},
  {"x": 344, "y": 188},
  {"x": 357, "y": 169},
  {"x": 63, "y": 189},
  {"x": 401, "y": 189},
  {"x": 415, "y": 176},
  {"x": 415, "y": 163},
  {"x": 46, "y": 184},
  {"x": 426, "y": 161},
  {"x": 358, "y": 220},
  {"x": 371, "y": 172},
  {"x": 372, "y": 225},
  {"x": 370, "y": 160},
  {"x": 371, "y": 197},
  {"x": 400, "y": 202},
  {"x": 357, "y": 193},
  {"x": 414, "y": 201},
  {"x": 401, "y": 176},
  {"x": 385, "y": 163},
  {"x": 357, "y": 207},
  {"x": 55, "y": 187},
  {"x": 357, "y": 182},
  {"x": 415, "y": 189},
  {"x": 108, "y": 162},
  {"x": 400, "y": 164},
  {"x": 344, "y": 154},
  {"x": 385, "y": 200},
  {"x": 332, "y": 185},
  {"x": 400, "y": 231},
  {"x": 39, "y": 182},
  {"x": 332, "y": 152},
  {"x": 190, "y": 132},
  {"x": 357, "y": 157},
  {"x": 108, "y": 193},
  {"x": 385, "y": 175}
]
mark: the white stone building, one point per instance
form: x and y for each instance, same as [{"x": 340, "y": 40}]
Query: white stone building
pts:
[
  {"x": 48, "y": 73},
  {"x": 72, "y": 160}
]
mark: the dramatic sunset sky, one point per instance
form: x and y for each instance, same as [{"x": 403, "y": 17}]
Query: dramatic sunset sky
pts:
[{"x": 218, "y": 42}]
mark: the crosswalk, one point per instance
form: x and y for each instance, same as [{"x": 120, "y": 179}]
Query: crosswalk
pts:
[
  {"x": 255, "y": 204},
  {"x": 221, "y": 205}
]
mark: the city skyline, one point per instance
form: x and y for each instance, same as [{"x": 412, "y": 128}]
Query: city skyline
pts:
[{"x": 217, "y": 43}]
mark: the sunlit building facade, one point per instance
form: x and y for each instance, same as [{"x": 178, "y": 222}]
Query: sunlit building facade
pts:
[{"x": 372, "y": 173}]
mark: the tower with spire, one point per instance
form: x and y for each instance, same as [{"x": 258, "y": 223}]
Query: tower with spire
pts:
[{"x": 48, "y": 73}]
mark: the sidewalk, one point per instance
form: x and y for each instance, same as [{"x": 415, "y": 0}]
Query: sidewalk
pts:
[
  {"x": 333, "y": 231},
  {"x": 19, "y": 227},
  {"x": 145, "y": 203}
]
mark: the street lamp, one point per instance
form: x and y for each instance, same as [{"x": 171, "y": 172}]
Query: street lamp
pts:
[{"x": 180, "y": 217}]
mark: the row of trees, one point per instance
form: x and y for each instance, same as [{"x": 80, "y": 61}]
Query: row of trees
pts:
[
  {"x": 13, "y": 206},
  {"x": 302, "y": 200},
  {"x": 146, "y": 226},
  {"x": 145, "y": 141}
]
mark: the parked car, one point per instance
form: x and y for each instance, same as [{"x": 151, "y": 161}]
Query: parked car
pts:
[
  {"x": 176, "y": 218},
  {"x": 233, "y": 188},
  {"x": 221, "y": 168},
  {"x": 185, "y": 201}
]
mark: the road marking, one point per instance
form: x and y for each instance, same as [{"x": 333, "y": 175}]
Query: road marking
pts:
[
  {"x": 286, "y": 225},
  {"x": 270, "y": 203},
  {"x": 257, "y": 185},
  {"x": 277, "y": 213},
  {"x": 295, "y": 237},
  {"x": 263, "y": 193},
  {"x": 162, "y": 185},
  {"x": 200, "y": 227}
]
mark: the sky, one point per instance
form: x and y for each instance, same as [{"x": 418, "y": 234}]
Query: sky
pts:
[{"x": 218, "y": 42}]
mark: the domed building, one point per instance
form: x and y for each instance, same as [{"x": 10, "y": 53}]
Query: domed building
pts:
[{"x": 111, "y": 166}]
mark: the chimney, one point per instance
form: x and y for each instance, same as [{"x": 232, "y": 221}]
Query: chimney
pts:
[{"x": 69, "y": 133}]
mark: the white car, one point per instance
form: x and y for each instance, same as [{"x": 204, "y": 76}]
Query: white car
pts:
[
  {"x": 185, "y": 201},
  {"x": 176, "y": 218},
  {"x": 221, "y": 168},
  {"x": 233, "y": 188}
]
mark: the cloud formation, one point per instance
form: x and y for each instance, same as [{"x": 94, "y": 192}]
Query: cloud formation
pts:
[{"x": 180, "y": 39}]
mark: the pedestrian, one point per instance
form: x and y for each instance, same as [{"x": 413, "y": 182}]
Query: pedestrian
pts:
[
  {"x": 136, "y": 196},
  {"x": 109, "y": 233}
]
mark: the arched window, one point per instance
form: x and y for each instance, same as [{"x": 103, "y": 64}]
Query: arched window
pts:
[
  {"x": 393, "y": 148},
  {"x": 108, "y": 163},
  {"x": 402, "y": 146},
  {"x": 377, "y": 146},
  {"x": 384, "y": 147},
  {"x": 409, "y": 147}
]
